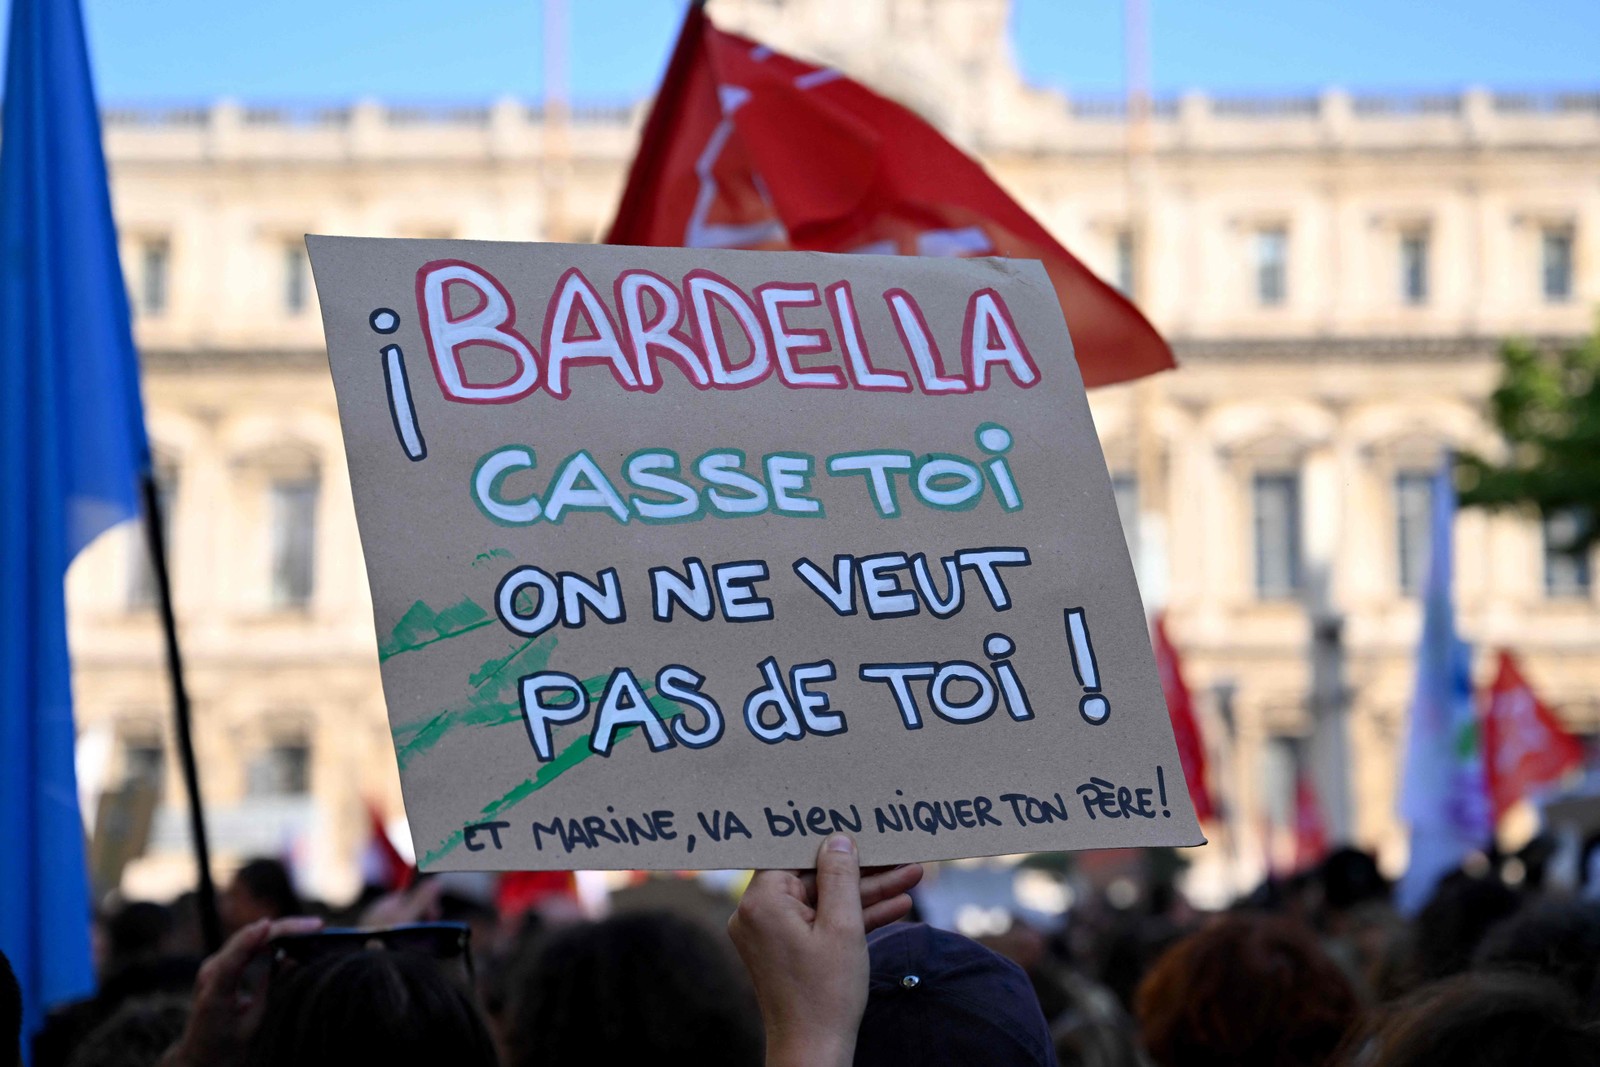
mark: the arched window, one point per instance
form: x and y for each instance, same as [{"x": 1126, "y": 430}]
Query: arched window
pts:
[
  {"x": 1276, "y": 532},
  {"x": 288, "y": 479},
  {"x": 292, "y": 509},
  {"x": 281, "y": 768}
]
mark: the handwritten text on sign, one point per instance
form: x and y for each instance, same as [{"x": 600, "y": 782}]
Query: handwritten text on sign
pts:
[{"x": 681, "y": 557}]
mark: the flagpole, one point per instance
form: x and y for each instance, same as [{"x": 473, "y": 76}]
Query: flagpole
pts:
[
  {"x": 1150, "y": 543},
  {"x": 210, "y": 920},
  {"x": 557, "y": 160}
]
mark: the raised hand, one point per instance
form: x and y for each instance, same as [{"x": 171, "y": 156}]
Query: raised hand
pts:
[{"x": 803, "y": 938}]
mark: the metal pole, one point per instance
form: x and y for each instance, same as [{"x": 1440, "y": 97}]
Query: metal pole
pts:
[
  {"x": 155, "y": 535},
  {"x": 557, "y": 162},
  {"x": 1151, "y": 563}
]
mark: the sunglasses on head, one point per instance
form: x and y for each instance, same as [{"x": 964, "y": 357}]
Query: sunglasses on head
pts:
[{"x": 449, "y": 943}]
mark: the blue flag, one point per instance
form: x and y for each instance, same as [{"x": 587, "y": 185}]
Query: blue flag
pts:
[
  {"x": 72, "y": 446},
  {"x": 1442, "y": 792}
]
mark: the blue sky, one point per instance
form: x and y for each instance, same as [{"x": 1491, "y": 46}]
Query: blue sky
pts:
[{"x": 471, "y": 50}]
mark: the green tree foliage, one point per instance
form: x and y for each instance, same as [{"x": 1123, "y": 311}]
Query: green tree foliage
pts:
[{"x": 1547, "y": 408}]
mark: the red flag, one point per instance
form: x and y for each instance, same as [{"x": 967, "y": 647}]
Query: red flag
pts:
[
  {"x": 520, "y": 890},
  {"x": 1185, "y": 727},
  {"x": 381, "y": 863},
  {"x": 1310, "y": 829},
  {"x": 749, "y": 148},
  {"x": 1524, "y": 744}
]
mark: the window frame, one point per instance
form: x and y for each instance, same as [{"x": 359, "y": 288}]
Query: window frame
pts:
[
  {"x": 291, "y": 591},
  {"x": 1553, "y": 235},
  {"x": 1416, "y": 255},
  {"x": 1272, "y": 266},
  {"x": 1554, "y": 561},
  {"x": 266, "y": 779},
  {"x": 142, "y": 768},
  {"x": 1125, "y": 258},
  {"x": 1410, "y": 580},
  {"x": 296, "y": 291},
  {"x": 155, "y": 276},
  {"x": 1293, "y": 536}
]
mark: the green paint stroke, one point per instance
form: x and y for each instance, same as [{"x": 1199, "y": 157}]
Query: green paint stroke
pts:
[
  {"x": 490, "y": 556},
  {"x": 534, "y": 654},
  {"x": 494, "y": 701},
  {"x": 421, "y": 626},
  {"x": 575, "y": 753}
]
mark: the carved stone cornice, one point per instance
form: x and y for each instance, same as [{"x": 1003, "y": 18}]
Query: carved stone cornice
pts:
[
  {"x": 1471, "y": 349},
  {"x": 249, "y": 360},
  {"x": 1377, "y": 350}
]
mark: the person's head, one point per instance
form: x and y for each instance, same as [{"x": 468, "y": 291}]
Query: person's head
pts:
[
  {"x": 1557, "y": 939},
  {"x": 642, "y": 987},
  {"x": 261, "y": 889},
  {"x": 186, "y": 937},
  {"x": 1086, "y": 1037},
  {"x": 1349, "y": 878},
  {"x": 1247, "y": 991},
  {"x": 1481, "y": 1019},
  {"x": 136, "y": 932},
  {"x": 1449, "y": 929},
  {"x": 371, "y": 1007},
  {"x": 135, "y": 1035},
  {"x": 10, "y": 1014},
  {"x": 935, "y": 997},
  {"x": 482, "y": 919}
]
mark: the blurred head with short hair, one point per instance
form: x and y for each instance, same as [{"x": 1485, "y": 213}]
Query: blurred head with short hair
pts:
[
  {"x": 1247, "y": 991},
  {"x": 1482, "y": 1019},
  {"x": 1559, "y": 939},
  {"x": 642, "y": 987},
  {"x": 135, "y": 933},
  {"x": 1449, "y": 929},
  {"x": 261, "y": 889},
  {"x": 371, "y": 1007},
  {"x": 136, "y": 1034},
  {"x": 1349, "y": 878}
]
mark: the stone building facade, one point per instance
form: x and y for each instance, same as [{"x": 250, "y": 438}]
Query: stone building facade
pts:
[{"x": 1335, "y": 272}]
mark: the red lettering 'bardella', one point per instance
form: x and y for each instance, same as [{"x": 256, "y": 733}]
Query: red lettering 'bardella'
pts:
[{"x": 651, "y": 327}]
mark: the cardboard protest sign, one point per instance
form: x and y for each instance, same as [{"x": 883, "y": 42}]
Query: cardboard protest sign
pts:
[{"x": 685, "y": 558}]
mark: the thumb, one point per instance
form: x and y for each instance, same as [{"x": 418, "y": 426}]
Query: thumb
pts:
[
  {"x": 839, "y": 884},
  {"x": 228, "y": 963}
]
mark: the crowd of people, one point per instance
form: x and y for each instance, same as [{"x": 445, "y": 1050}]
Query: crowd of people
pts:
[{"x": 836, "y": 969}]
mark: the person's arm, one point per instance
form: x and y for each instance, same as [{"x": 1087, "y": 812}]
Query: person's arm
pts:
[
  {"x": 803, "y": 938},
  {"x": 226, "y": 1013}
]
